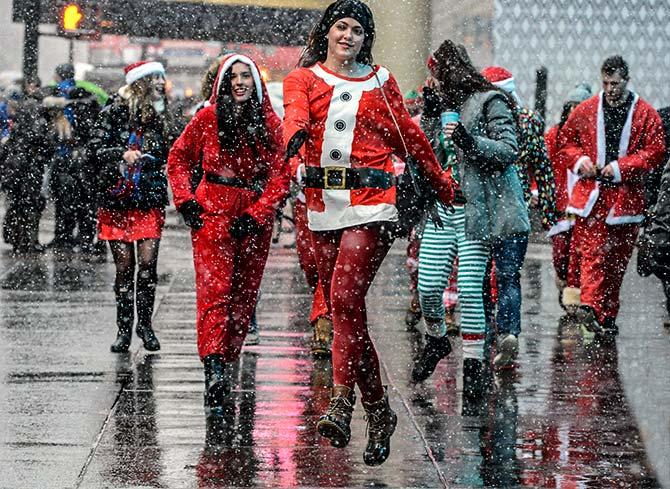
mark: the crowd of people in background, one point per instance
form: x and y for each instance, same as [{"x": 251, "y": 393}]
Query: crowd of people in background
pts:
[{"x": 594, "y": 179}]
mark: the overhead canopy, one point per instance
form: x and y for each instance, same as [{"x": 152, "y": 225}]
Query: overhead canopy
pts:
[
  {"x": 277, "y": 22},
  {"x": 293, "y": 4}
]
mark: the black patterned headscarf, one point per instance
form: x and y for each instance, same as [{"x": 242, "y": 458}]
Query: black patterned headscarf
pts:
[
  {"x": 317, "y": 45},
  {"x": 354, "y": 9}
]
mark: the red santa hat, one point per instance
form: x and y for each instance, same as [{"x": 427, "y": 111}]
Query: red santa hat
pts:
[
  {"x": 432, "y": 65},
  {"x": 141, "y": 69},
  {"x": 503, "y": 79},
  {"x": 496, "y": 74}
]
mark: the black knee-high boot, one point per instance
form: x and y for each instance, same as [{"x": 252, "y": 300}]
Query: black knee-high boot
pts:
[
  {"x": 145, "y": 297},
  {"x": 125, "y": 317},
  {"x": 218, "y": 383}
]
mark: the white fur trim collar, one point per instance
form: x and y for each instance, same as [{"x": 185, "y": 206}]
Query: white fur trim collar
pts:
[{"x": 625, "y": 133}]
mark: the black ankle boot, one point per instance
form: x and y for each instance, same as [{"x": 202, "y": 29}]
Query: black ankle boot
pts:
[
  {"x": 434, "y": 351},
  {"x": 335, "y": 423},
  {"x": 125, "y": 317},
  {"x": 381, "y": 425},
  {"x": 218, "y": 380},
  {"x": 145, "y": 297},
  {"x": 473, "y": 386}
]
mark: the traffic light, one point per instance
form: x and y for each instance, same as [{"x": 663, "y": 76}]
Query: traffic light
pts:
[{"x": 79, "y": 20}]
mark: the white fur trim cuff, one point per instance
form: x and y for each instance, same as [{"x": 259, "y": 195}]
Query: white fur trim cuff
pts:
[
  {"x": 578, "y": 165},
  {"x": 617, "y": 171},
  {"x": 561, "y": 226},
  {"x": 151, "y": 68},
  {"x": 299, "y": 172}
]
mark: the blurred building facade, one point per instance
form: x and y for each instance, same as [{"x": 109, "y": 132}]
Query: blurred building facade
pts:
[{"x": 570, "y": 37}]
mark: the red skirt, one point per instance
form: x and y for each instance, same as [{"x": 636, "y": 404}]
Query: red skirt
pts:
[{"x": 130, "y": 225}]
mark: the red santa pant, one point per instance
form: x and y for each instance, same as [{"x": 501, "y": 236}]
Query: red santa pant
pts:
[
  {"x": 348, "y": 260},
  {"x": 228, "y": 274},
  {"x": 307, "y": 260},
  {"x": 604, "y": 252}
]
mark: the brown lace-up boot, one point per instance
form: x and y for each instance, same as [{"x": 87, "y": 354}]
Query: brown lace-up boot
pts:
[
  {"x": 381, "y": 425},
  {"x": 335, "y": 424},
  {"x": 322, "y": 341}
]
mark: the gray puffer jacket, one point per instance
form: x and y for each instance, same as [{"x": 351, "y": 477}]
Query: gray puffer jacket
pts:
[{"x": 495, "y": 205}]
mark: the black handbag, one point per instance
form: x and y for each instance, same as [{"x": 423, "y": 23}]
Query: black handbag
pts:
[
  {"x": 415, "y": 197},
  {"x": 415, "y": 200}
]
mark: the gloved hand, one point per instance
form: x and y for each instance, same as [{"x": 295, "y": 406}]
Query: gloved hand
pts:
[
  {"x": 432, "y": 102},
  {"x": 463, "y": 139},
  {"x": 244, "y": 226},
  {"x": 191, "y": 211},
  {"x": 295, "y": 143}
]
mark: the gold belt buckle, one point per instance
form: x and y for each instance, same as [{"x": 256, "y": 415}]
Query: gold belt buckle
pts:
[{"x": 335, "y": 178}]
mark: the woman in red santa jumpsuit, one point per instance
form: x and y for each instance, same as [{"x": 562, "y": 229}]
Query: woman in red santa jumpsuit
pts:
[
  {"x": 239, "y": 142},
  {"x": 350, "y": 116}
]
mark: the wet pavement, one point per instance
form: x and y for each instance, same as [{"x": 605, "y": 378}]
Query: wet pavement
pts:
[{"x": 575, "y": 414}]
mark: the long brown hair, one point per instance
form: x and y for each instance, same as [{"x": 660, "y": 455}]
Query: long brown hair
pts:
[
  {"x": 208, "y": 79},
  {"x": 141, "y": 106},
  {"x": 458, "y": 77},
  {"x": 240, "y": 124}
]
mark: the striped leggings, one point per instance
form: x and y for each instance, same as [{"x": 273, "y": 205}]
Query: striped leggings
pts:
[{"x": 438, "y": 249}]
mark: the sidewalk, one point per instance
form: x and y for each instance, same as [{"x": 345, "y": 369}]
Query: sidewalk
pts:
[{"x": 75, "y": 415}]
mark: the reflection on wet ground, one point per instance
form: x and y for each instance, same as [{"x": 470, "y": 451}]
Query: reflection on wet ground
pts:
[{"x": 74, "y": 415}]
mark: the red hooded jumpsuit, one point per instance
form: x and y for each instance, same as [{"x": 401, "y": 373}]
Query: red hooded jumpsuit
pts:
[{"x": 228, "y": 271}]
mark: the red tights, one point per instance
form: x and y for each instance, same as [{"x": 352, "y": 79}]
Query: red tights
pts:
[
  {"x": 307, "y": 260},
  {"x": 348, "y": 260}
]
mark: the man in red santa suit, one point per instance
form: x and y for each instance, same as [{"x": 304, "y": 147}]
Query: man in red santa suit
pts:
[{"x": 610, "y": 141}]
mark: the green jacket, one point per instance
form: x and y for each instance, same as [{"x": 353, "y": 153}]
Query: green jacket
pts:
[{"x": 495, "y": 206}]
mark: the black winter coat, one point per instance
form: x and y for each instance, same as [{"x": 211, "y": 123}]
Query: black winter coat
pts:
[
  {"x": 26, "y": 152},
  {"x": 109, "y": 141},
  {"x": 654, "y": 252}
]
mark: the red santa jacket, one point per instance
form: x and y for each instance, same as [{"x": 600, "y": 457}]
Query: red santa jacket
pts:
[
  {"x": 200, "y": 143},
  {"x": 350, "y": 126},
  {"x": 641, "y": 149}
]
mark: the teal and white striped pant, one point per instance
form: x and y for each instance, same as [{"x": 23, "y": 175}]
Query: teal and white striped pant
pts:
[{"x": 439, "y": 248}]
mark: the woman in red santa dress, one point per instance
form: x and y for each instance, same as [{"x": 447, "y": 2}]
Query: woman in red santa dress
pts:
[
  {"x": 350, "y": 116},
  {"x": 130, "y": 141},
  {"x": 238, "y": 140}
]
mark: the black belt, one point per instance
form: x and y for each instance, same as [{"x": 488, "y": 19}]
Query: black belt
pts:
[
  {"x": 343, "y": 178},
  {"x": 253, "y": 184}
]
